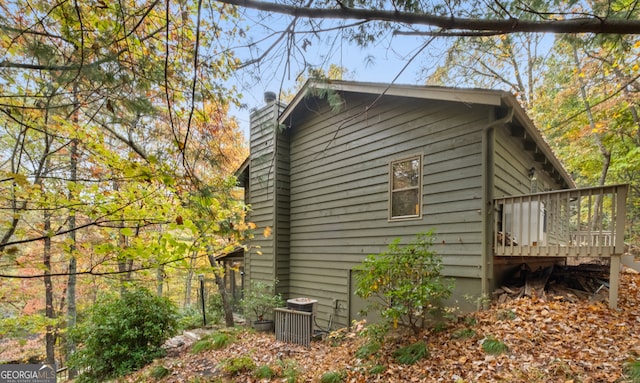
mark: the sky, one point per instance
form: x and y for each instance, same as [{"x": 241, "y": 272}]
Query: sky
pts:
[{"x": 384, "y": 61}]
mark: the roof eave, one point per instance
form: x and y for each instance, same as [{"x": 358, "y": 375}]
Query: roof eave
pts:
[
  {"x": 471, "y": 96},
  {"x": 538, "y": 139},
  {"x": 242, "y": 169}
]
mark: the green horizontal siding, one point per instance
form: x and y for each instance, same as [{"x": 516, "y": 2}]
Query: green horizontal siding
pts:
[
  {"x": 339, "y": 190},
  {"x": 259, "y": 259}
]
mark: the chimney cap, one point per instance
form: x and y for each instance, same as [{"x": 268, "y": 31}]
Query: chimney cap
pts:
[{"x": 269, "y": 97}]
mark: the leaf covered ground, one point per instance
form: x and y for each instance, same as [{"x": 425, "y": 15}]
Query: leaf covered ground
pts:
[{"x": 547, "y": 340}]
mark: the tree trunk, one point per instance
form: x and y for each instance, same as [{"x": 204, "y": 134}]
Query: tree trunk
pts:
[
  {"x": 123, "y": 269},
  {"x": 71, "y": 281},
  {"x": 123, "y": 265},
  {"x": 159, "y": 280},
  {"x": 636, "y": 120},
  {"x": 187, "y": 287},
  {"x": 226, "y": 302},
  {"x": 50, "y": 335}
]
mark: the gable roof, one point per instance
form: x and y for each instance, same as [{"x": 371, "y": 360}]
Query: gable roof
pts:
[
  {"x": 242, "y": 173},
  {"x": 520, "y": 125}
]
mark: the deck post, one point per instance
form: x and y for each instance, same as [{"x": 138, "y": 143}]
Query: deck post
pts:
[
  {"x": 614, "y": 280},
  {"x": 488, "y": 214},
  {"x": 614, "y": 272},
  {"x": 621, "y": 216}
]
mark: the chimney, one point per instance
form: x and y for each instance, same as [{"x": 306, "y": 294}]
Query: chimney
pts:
[{"x": 269, "y": 97}]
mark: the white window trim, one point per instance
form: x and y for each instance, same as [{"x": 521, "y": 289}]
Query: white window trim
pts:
[{"x": 420, "y": 158}]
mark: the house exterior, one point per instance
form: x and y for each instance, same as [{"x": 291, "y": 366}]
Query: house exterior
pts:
[{"x": 347, "y": 167}]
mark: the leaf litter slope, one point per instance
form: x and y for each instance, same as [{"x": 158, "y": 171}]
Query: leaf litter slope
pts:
[{"x": 548, "y": 340}]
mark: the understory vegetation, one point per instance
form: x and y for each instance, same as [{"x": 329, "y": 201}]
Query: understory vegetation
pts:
[
  {"x": 405, "y": 284},
  {"x": 122, "y": 334},
  {"x": 542, "y": 340}
]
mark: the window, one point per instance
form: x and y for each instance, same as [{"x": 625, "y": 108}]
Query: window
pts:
[{"x": 405, "y": 188}]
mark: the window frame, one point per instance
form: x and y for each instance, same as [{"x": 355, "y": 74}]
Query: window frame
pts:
[{"x": 419, "y": 187}]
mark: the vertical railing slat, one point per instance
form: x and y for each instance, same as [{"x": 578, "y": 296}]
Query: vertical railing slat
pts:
[
  {"x": 589, "y": 221},
  {"x": 567, "y": 223}
]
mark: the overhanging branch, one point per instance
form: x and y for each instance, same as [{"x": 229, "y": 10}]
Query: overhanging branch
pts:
[
  {"x": 91, "y": 271},
  {"x": 497, "y": 26},
  {"x": 447, "y": 33},
  {"x": 97, "y": 223}
]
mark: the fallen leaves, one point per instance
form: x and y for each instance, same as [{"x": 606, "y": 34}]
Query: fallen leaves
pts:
[
  {"x": 24, "y": 351},
  {"x": 548, "y": 340}
]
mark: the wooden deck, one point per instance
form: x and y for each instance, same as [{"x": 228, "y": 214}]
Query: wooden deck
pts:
[
  {"x": 588, "y": 222},
  {"x": 585, "y": 222}
]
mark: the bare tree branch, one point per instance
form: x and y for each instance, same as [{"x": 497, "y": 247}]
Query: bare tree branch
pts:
[
  {"x": 512, "y": 25},
  {"x": 447, "y": 33},
  {"x": 98, "y": 223},
  {"x": 194, "y": 82},
  {"x": 91, "y": 271}
]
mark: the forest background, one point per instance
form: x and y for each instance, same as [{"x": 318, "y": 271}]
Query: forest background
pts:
[{"x": 118, "y": 138}]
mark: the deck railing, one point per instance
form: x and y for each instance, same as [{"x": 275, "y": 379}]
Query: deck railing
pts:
[{"x": 565, "y": 223}]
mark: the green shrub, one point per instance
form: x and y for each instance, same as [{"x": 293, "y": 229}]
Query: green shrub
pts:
[
  {"x": 631, "y": 370},
  {"x": 463, "y": 333},
  {"x": 286, "y": 370},
  {"x": 221, "y": 340},
  {"x": 411, "y": 353},
  {"x": 290, "y": 370},
  {"x": 335, "y": 338},
  {"x": 191, "y": 317},
  {"x": 506, "y": 315},
  {"x": 214, "y": 341},
  {"x": 333, "y": 377},
  {"x": 159, "y": 372},
  {"x": 440, "y": 326},
  {"x": 122, "y": 334},
  {"x": 238, "y": 365},
  {"x": 199, "y": 379},
  {"x": 409, "y": 277},
  {"x": 215, "y": 309},
  {"x": 265, "y": 372},
  {"x": 493, "y": 346},
  {"x": 260, "y": 300},
  {"x": 201, "y": 345},
  {"x": 367, "y": 349},
  {"x": 375, "y": 332},
  {"x": 470, "y": 321},
  {"x": 377, "y": 369}
]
